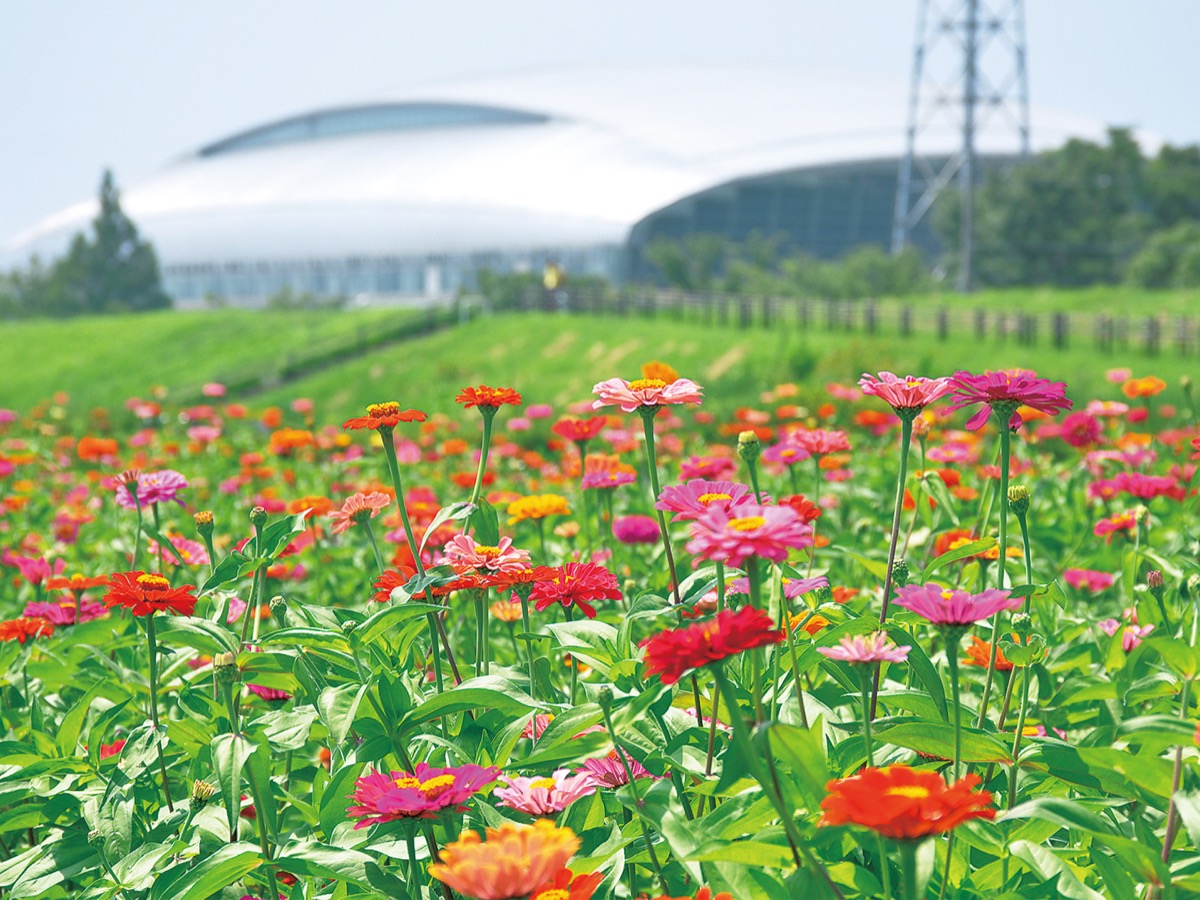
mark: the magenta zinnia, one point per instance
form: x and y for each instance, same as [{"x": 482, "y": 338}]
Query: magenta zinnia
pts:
[
  {"x": 954, "y": 608},
  {"x": 731, "y": 536},
  {"x": 693, "y": 499},
  {"x": 1007, "y": 390},
  {"x": 419, "y": 794},
  {"x": 153, "y": 487}
]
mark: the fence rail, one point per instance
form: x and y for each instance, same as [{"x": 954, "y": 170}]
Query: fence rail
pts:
[{"x": 1108, "y": 334}]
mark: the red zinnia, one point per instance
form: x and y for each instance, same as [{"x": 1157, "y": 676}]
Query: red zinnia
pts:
[
  {"x": 578, "y": 584},
  {"x": 579, "y": 430},
  {"x": 384, "y": 415},
  {"x": 487, "y": 396},
  {"x": 144, "y": 594},
  {"x": 566, "y": 885},
  {"x": 25, "y": 629},
  {"x": 903, "y": 803},
  {"x": 673, "y": 653},
  {"x": 705, "y": 893},
  {"x": 390, "y": 580}
]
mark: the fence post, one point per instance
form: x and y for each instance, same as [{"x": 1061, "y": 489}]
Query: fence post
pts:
[
  {"x": 943, "y": 324},
  {"x": 766, "y": 312},
  {"x": 746, "y": 314},
  {"x": 869, "y": 316},
  {"x": 905, "y": 320},
  {"x": 980, "y": 324},
  {"x": 1060, "y": 330},
  {"x": 805, "y": 313},
  {"x": 1152, "y": 329}
]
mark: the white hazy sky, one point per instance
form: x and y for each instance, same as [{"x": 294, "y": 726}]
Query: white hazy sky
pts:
[{"x": 130, "y": 84}]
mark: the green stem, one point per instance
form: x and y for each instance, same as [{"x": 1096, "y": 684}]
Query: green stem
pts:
[
  {"x": 648, "y": 414},
  {"x": 756, "y": 654},
  {"x": 157, "y": 528},
  {"x": 574, "y": 661},
  {"x": 639, "y": 804},
  {"x": 885, "y": 870},
  {"x": 906, "y": 424},
  {"x": 791, "y": 639},
  {"x": 952, "y": 639},
  {"x": 908, "y": 866},
  {"x": 1003, "y": 413},
  {"x": 389, "y": 451},
  {"x": 137, "y": 535},
  {"x": 865, "y": 677},
  {"x": 752, "y": 466},
  {"x": 720, "y": 586},
  {"x": 1016, "y": 752},
  {"x": 524, "y": 597},
  {"x": 152, "y": 647},
  {"x": 410, "y": 841},
  {"x": 489, "y": 413},
  {"x": 374, "y": 545}
]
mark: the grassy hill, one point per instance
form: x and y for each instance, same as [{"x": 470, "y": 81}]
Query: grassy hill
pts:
[{"x": 551, "y": 358}]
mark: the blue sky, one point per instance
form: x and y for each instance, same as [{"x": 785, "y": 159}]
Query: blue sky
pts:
[{"x": 129, "y": 84}]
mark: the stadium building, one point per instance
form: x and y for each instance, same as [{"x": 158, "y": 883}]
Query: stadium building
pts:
[{"x": 410, "y": 195}]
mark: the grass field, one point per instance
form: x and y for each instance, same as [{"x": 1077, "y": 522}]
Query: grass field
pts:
[{"x": 550, "y": 358}]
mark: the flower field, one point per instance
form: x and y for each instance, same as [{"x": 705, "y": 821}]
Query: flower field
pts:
[{"x": 931, "y": 637}]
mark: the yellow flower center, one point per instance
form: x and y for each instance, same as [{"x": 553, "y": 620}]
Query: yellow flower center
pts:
[
  {"x": 487, "y": 552},
  {"x": 913, "y": 382},
  {"x": 644, "y": 384},
  {"x": 155, "y": 582},
  {"x": 707, "y": 499},
  {"x": 547, "y": 783},
  {"x": 436, "y": 786},
  {"x": 408, "y": 782},
  {"x": 556, "y": 894},
  {"x": 747, "y": 523},
  {"x": 383, "y": 409},
  {"x": 947, "y": 595},
  {"x": 912, "y": 791}
]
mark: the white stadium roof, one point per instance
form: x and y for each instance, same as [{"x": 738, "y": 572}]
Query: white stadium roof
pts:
[{"x": 548, "y": 159}]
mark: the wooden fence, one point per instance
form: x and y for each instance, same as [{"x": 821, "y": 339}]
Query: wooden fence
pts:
[{"x": 1108, "y": 334}]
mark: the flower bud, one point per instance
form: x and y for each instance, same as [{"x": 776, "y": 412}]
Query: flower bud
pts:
[
  {"x": 225, "y": 668},
  {"x": 1141, "y": 513},
  {"x": 202, "y": 792},
  {"x": 258, "y": 517},
  {"x": 95, "y": 837},
  {"x": 1018, "y": 500},
  {"x": 348, "y": 627},
  {"x": 204, "y": 522},
  {"x": 1185, "y": 382},
  {"x": 604, "y": 698},
  {"x": 1022, "y": 624},
  {"x": 279, "y": 609},
  {"x": 824, "y": 594},
  {"x": 900, "y": 573},
  {"x": 1155, "y": 584},
  {"x": 749, "y": 446}
]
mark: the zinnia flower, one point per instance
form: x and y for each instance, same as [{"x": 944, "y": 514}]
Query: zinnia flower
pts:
[
  {"x": 903, "y": 803},
  {"x": 544, "y": 796},
  {"x": 25, "y": 629},
  {"x": 693, "y": 499},
  {"x": 577, "y": 584},
  {"x": 1106, "y": 528},
  {"x": 904, "y": 394},
  {"x": 467, "y": 556},
  {"x": 730, "y": 536},
  {"x": 954, "y": 608},
  {"x": 566, "y": 885},
  {"x": 635, "y": 529},
  {"x": 980, "y": 654},
  {"x": 866, "y": 650},
  {"x": 673, "y": 653},
  {"x": 488, "y": 397},
  {"x": 513, "y": 861},
  {"x": 579, "y": 430},
  {"x": 609, "y": 771},
  {"x": 384, "y": 415},
  {"x": 1007, "y": 390},
  {"x": 1130, "y": 637},
  {"x": 144, "y": 594},
  {"x": 420, "y": 794},
  {"x": 645, "y": 393},
  {"x": 357, "y": 509},
  {"x": 153, "y": 487},
  {"x": 819, "y": 442},
  {"x": 705, "y": 893},
  {"x": 792, "y": 587},
  {"x": 537, "y": 506},
  {"x": 1088, "y": 580}
]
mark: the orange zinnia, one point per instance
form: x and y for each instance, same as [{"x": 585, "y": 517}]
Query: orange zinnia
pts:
[
  {"x": 487, "y": 396},
  {"x": 25, "y": 629},
  {"x": 514, "y": 861},
  {"x": 980, "y": 654},
  {"x": 903, "y": 803},
  {"x": 384, "y": 415},
  {"x": 75, "y": 583},
  {"x": 566, "y": 885},
  {"x": 1143, "y": 387}
]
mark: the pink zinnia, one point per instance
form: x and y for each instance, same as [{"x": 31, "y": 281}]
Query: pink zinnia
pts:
[
  {"x": 859, "y": 650},
  {"x": 607, "y": 479},
  {"x": 193, "y": 553},
  {"x": 692, "y": 500},
  {"x": 153, "y": 487},
  {"x": 545, "y": 796},
  {"x": 609, "y": 771},
  {"x": 1144, "y": 487},
  {"x": 785, "y": 453},
  {"x": 792, "y": 587},
  {"x": 819, "y": 442},
  {"x": 64, "y": 613},
  {"x": 1088, "y": 580},
  {"x": 420, "y": 794},
  {"x": 635, "y": 529},
  {"x": 730, "y": 536},
  {"x": 268, "y": 693},
  {"x": 1106, "y": 528},
  {"x": 714, "y": 467},
  {"x": 1081, "y": 429},
  {"x": 1008, "y": 390},
  {"x": 358, "y": 508},
  {"x": 467, "y": 556},
  {"x": 1130, "y": 637},
  {"x": 908, "y": 393},
  {"x": 645, "y": 392},
  {"x": 953, "y": 608}
]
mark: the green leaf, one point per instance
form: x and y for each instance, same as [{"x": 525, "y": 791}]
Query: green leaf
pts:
[
  {"x": 223, "y": 867},
  {"x": 163, "y": 542},
  {"x": 922, "y": 667},
  {"x": 228, "y": 570},
  {"x": 229, "y": 754},
  {"x": 278, "y": 535},
  {"x": 451, "y": 513},
  {"x": 286, "y": 729},
  {"x": 337, "y": 707},
  {"x": 956, "y": 554},
  {"x": 72, "y": 722},
  {"x": 311, "y": 859},
  {"x": 1066, "y": 813},
  {"x": 749, "y": 853},
  {"x": 1047, "y": 866},
  {"x": 486, "y": 523},
  {"x": 200, "y": 634},
  {"x": 803, "y": 750},
  {"x": 1180, "y": 656},
  {"x": 380, "y": 622},
  {"x": 937, "y": 739},
  {"x": 336, "y": 798},
  {"x": 488, "y": 692}
]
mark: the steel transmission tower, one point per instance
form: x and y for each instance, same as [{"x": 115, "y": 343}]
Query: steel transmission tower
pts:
[{"x": 968, "y": 79}]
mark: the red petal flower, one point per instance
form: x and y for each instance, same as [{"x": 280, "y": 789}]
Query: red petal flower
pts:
[
  {"x": 487, "y": 396},
  {"x": 384, "y": 415},
  {"x": 673, "y": 653},
  {"x": 579, "y": 584},
  {"x": 144, "y": 594},
  {"x": 904, "y": 803}
]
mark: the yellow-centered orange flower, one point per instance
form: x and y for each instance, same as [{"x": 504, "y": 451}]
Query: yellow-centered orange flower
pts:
[
  {"x": 512, "y": 862},
  {"x": 537, "y": 506}
]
